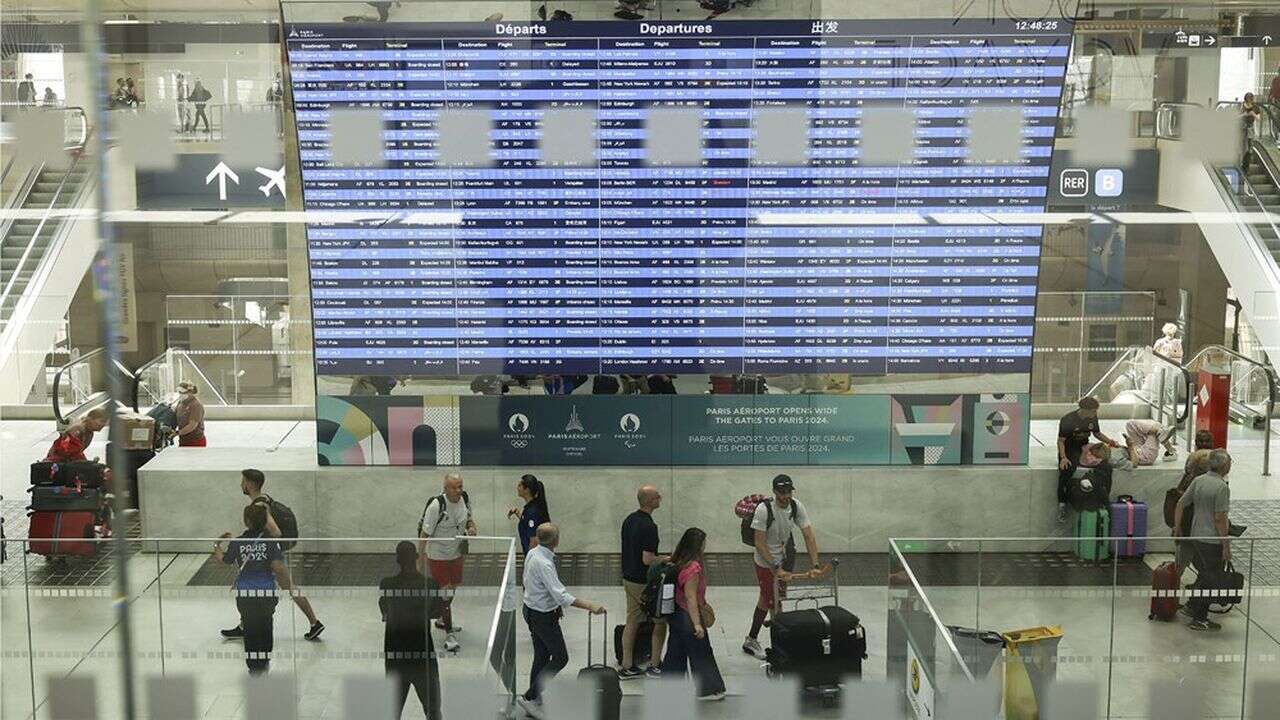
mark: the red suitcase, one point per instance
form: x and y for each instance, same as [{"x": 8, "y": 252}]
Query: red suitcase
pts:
[
  {"x": 62, "y": 533},
  {"x": 1164, "y": 592}
]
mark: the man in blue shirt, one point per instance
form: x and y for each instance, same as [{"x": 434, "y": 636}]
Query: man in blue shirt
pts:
[
  {"x": 545, "y": 599},
  {"x": 261, "y": 563}
]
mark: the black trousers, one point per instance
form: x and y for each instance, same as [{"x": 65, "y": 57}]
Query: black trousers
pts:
[
  {"x": 1064, "y": 480},
  {"x": 195, "y": 123},
  {"x": 257, "y": 617},
  {"x": 1206, "y": 558},
  {"x": 423, "y": 677},
  {"x": 549, "y": 652}
]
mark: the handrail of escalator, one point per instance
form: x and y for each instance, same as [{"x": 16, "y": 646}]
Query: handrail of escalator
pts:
[
  {"x": 57, "y": 381},
  {"x": 1233, "y": 198},
  {"x": 1165, "y": 111},
  {"x": 1188, "y": 381},
  {"x": 1271, "y": 394},
  {"x": 1128, "y": 357},
  {"x": 1125, "y": 357},
  {"x": 48, "y": 212},
  {"x": 136, "y": 375}
]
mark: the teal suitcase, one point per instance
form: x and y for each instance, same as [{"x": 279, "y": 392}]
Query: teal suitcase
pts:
[{"x": 1092, "y": 530}]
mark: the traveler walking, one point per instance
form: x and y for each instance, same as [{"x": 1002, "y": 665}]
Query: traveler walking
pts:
[
  {"x": 445, "y": 518},
  {"x": 1074, "y": 430},
  {"x": 281, "y": 523},
  {"x": 689, "y": 647},
  {"x": 535, "y": 512},
  {"x": 261, "y": 563},
  {"x": 774, "y": 522},
  {"x": 408, "y": 601},
  {"x": 182, "y": 92},
  {"x": 27, "y": 91},
  {"x": 1250, "y": 114},
  {"x": 639, "y": 551},
  {"x": 199, "y": 98},
  {"x": 545, "y": 599},
  {"x": 1208, "y": 498},
  {"x": 190, "y": 414}
]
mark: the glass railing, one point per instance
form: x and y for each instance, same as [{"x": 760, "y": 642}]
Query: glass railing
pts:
[
  {"x": 247, "y": 346},
  {"x": 158, "y": 379},
  {"x": 1080, "y": 336},
  {"x": 1143, "y": 377},
  {"x": 1050, "y": 631},
  {"x": 64, "y": 633}
]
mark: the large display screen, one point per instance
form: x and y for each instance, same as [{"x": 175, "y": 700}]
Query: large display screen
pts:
[{"x": 722, "y": 259}]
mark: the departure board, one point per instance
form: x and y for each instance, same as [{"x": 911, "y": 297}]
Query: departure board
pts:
[{"x": 723, "y": 261}]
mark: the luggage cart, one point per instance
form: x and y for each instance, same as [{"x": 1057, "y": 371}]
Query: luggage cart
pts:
[{"x": 822, "y": 591}]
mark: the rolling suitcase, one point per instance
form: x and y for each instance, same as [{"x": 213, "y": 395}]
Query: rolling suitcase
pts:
[
  {"x": 823, "y": 646},
  {"x": 644, "y": 646},
  {"x": 1129, "y": 527},
  {"x": 54, "y": 534},
  {"x": 1164, "y": 592},
  {"x": 84, "y": 473},
  {"x": 1091, "y": 535},
  {"x": 65, "y": 498},
  {"x": 608, "y": 685}
]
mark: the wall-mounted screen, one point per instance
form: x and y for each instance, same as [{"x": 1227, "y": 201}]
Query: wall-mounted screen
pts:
[{"x": 677, "y": 197}]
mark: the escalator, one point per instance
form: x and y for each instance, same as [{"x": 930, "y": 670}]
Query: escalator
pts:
[
  {"x": 45, "y": 250},
  {"x": 83, "y": 383}
]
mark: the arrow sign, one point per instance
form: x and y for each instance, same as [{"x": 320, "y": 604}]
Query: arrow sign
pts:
[
  {"x": 1266, "y": 39},
  {"x": 1210, "y": 40},
  {"x": 222, "y": 172}
]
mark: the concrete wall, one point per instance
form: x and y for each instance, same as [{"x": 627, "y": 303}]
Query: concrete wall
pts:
[{"x": 853, "y": 509}]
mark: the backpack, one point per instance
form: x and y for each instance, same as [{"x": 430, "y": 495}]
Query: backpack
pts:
[
  {"x": 1096, "y": 495},
  {"x": 285, "y": 520},
  {"x": 655, "y": 600},
  {"x": 463, "y": 546},
  {"x": 746, "y": 509}
]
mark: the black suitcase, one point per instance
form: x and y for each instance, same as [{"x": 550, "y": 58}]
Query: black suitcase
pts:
[
  {"x": 64, "y": 498},
  {"x": 822, "y": 646},
  {"x": 133, "y": 459},
  {"x": 604, "y": 678},
  {"x": 84, "y": 473},
  {"x": 644, "y": 643}
]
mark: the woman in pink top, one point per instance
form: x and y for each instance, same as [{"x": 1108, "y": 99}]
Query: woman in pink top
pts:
[{"x": 688, "y": 646}]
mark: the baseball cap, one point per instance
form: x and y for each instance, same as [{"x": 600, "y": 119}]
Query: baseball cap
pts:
[{"x": 783, "y": 482}]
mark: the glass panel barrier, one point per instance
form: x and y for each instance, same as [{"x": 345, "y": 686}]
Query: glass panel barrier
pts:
[{"x": 1083, "y": 336}]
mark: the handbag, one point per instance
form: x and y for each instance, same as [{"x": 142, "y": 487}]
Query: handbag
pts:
[
  {"x": 1227, "y": 579},
  {"x": 708, "y": 615}
]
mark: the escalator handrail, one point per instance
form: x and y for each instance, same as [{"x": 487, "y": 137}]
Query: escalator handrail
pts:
[
  {"x": 57, "y": 381},
  {"x": 1188, "y": 381},
  {"x": 1231, "y": 197},
  {"x": 26, "y": 252},
  {"x": 1126, "y": 356},
  {"x": 136, "y": 376},
  {"x": 1164, "y": 110}
]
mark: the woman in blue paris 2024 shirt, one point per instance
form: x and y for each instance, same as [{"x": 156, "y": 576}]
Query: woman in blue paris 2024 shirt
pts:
[
  {"x": 535, "y": 512},
  {"x": 261, "y": 563}
]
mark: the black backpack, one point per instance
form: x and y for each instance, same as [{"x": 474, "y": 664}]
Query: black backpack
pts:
[
  {"x": 444, "y": 511},
  {"x": 285, "y": 520},
  {"x": 1097, "y": 496},
  {"x": 651, "y": 596},
  {"x": 749, "y": 533}
]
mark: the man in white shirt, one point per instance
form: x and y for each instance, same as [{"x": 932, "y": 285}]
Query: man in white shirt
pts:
[
  {"x": 445, "y": 518},
  {"x": 774, "y": 522},
  {"x": 545, "y": 599}
]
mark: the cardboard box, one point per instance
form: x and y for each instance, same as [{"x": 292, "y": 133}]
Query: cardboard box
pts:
[{"x": 139, "y": 431}]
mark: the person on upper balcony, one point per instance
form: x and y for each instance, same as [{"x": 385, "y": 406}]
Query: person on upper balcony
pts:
[{"x": 190, "y": 414}]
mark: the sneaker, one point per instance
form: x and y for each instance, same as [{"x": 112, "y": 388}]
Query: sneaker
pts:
[
  {"x": 1202, "y": 625},
  {"x": 630, "y": 673},
  {"x": 625, "y": 14},
  {"x": 235, "y": 632},
  {"x": 653, "y": 673},
  {"x": 751, "y": 646},
  {"x": 713, "y": 697},
  {"x": 493, "y": 18},
  {"x": 451, "y": 643},
  {"x": 314, "y": 633},
  {"x": 532, "y": 708},
  {"x": 1062, "y": 512}
]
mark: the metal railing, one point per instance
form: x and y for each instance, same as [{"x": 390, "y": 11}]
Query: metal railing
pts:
[
  {"x": 1270, "y": 372},
  {"x": 1169, "y": 119},
  {"x": 163, "y": 366}
]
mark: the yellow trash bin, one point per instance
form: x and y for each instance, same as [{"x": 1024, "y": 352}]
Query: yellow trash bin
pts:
[{"x": 1031, "y": 663}]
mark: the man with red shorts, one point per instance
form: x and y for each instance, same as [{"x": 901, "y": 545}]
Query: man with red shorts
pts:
[
  {"x": 445, "y": 518},
  {"x": 774, "y": 522}
]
